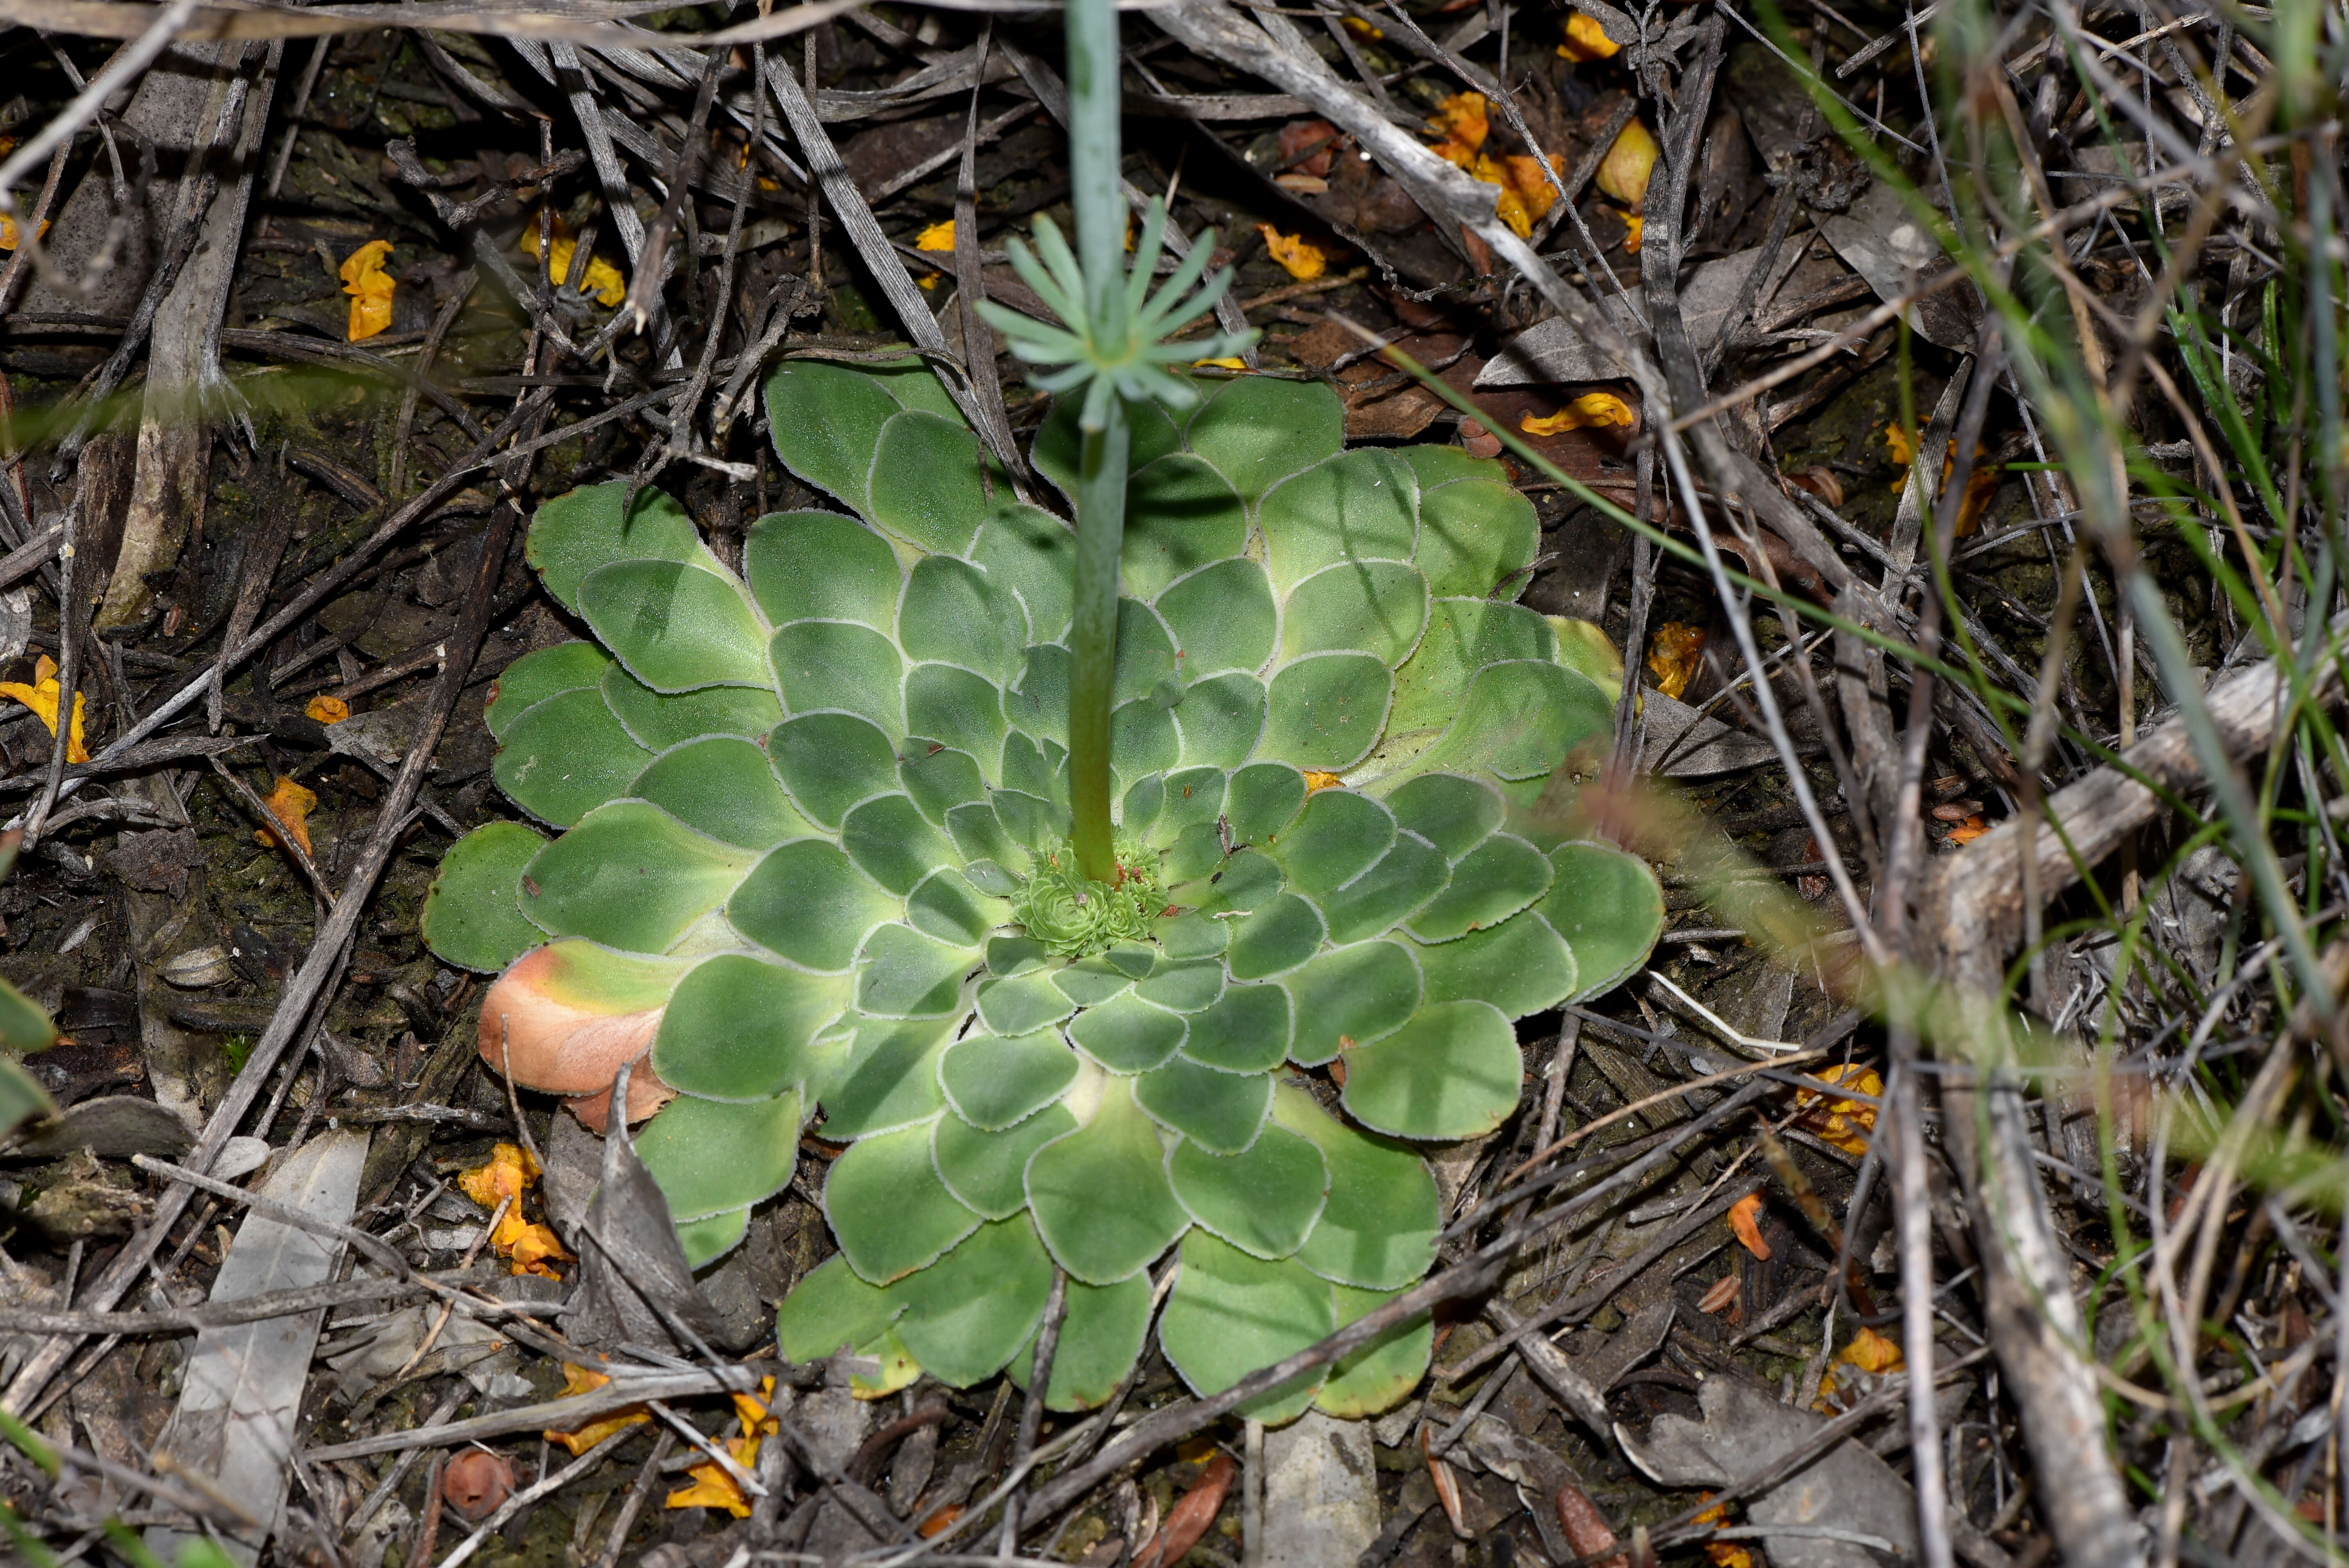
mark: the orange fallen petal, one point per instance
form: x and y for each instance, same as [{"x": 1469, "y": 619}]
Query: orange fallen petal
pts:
[
  {"x": 1317, "y": 779},
  {"x": 1741, "y": 1219},
  {"x": 1586, "y": 40},
  {"x": 1299, "y": 256},
  {"x": 290, "y": 804},
  {"x": 328, "y": 709}
]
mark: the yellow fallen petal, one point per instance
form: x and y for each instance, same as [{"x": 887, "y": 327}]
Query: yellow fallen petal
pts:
[
  {"x": 1362, "y": 29},
  {"x": 1587, "y": 40},
  {"x": 1672, "y": 655},
  {"x": 1317, "y": 779},
  {"x": 581, "y": 1380},
  {"x": 1903, "y": 450},
  {"x": 8, "y": 231},
  {"x": 1633, "y": 225},
  {"x": 369, "y": 287},
  {"x": 532, "y": 1249},
  {"x": 711, "y": 1488},
  {"x": 43, "y": 696},
  {"x": 1871, "y": 1352},
  {"x": 928, "y": 280},
  {"x": 328, "y": 709},
  {"x": 603, "y": 279},
  {"x": 1234, "y": 363},
  {"x": 937, "y": 237},
  {"x": 290, "y": 804},
  {"x": 1301, "y": 257},
  {"x": 1623, "y": 172},
  {"x": 1591, "y": 408},
  {"x": 1461, "y": 119}
]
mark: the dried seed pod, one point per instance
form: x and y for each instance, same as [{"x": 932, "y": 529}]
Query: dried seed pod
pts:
[
  {"x": 477, "y": 1481},
  {"x": 1447, "y": 1485},
  {"x": 1188, "y": 1519},
  {"x": 1586, "y": 1528}
]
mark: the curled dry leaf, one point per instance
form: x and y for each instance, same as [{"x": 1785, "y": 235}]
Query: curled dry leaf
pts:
[
  {"x": 1188, "y": 1519},
  {"x": 477, "y": 1483},
  {"x": 1585, "y": 1529},
  {"x": 369, "y": 287},
  {"x": 1447, "y": 1484},
  {"x": 1821, "y": 481},
  {"x": 1743, "y": 1219},
  {"x": 566, "y": 1034}
]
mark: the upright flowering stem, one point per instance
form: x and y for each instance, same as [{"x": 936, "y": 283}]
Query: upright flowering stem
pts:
[
  {"x": 1093, "y": 170},
  {"x": 1101, "y": 534}
]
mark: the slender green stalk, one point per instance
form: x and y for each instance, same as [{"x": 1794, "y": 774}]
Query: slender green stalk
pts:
[
  {"x": 1101, "y": 535},
  {"x": 1095, "y": 152}
]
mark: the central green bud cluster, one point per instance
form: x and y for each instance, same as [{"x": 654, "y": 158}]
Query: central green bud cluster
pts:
[{"x": 1075, "y": 917}]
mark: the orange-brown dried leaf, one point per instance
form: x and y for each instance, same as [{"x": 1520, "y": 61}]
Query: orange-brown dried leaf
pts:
[
  {"x": 1188, "y": 1519},
  {"x": 1965, "y": 832},
  {"x": 1723, "y": 1296},
  {"x": 1744, "y": 1219}
]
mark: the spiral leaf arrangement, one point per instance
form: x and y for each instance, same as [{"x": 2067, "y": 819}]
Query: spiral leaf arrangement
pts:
[{"x": 813, "y": 858}]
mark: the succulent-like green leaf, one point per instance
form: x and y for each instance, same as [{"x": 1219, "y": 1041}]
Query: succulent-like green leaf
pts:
[
  {"x": 1377, "y": 1377},
  {"x": 706, "y": 1240},
  {"x": 472, "y": 916},
  {"x": 574, "y": 534},
  {"x": 969, "y": 1312},
  {"x": 1102, "y": 1330},
  {"x": 1326, "y": 711},
  {"x": 988, "y": 1171},
  {"x": 1338, "y": 836},
  {"x": 535, "y": 676},
  {"x": 1377, "y": 607},
  {"x": 889, "y": 1077},
  {"x": 723, "y": 787},
  {"x": 675, "y": 626},
  {"x": 822, "y": 566},
  {"x": 1491, "y": 882},
  {"x": 825, "y": 421},
  {"x": 1126, "y": 1033},
  {"x": 1607, "y": 907},
  {"x": 738, "y": 1027},
  {"x": 1100, "y": 1194},
  {"x": 1184, "y": 515},
  {"x": 1257, "y": 431},
  {"x": 562, "y": 758},
  {"x": 994, "y": 1083},
  {"x": 1262, "y": 1200},
  {"x": 1453, "y": 813},
  {"x": 1231, "y": 1314},
  {"x": 710, "y": 1156},
  {"x": 1475, "y": 535},
  {"x": 1223, "y": 617},
  {"x": 829, "y": 761},
  {"x": 831, "y": 1310},
  {"x": 631, "y": 876},
  {"x": 1378, "y": 1231},
  {"x": 1452, "y": 1071},
  {"x": 932, "y": 482},
  {"x": 1520, "y": 965},
  {"x": 1350, "y": 995},
  {"x": 1219, "y": 1112},
  {"x": 809, "y": 903},
  {"x": 840, "y": 666},
  {"x": 888, "y": 1207},
  {"x": 1363, "y": 506}
]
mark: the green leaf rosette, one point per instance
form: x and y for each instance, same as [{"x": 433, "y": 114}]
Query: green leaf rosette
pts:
[{"x": 809, "y": 852}]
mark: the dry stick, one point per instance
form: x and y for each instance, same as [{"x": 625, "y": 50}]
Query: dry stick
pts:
[
  {"x": 325, "y": 959},
  {"x": 458, "y": 295},
  {"x": 1032, "y": 1413},
  {"x": 970, "y": 285},
  {"x": 211, "y": 1315},
  {"x": 642, "y": 1489},
  {"x": 399, "y": 1471}
]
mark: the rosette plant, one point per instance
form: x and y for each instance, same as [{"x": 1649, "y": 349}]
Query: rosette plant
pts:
[{"x": 1106, "y": 896}]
